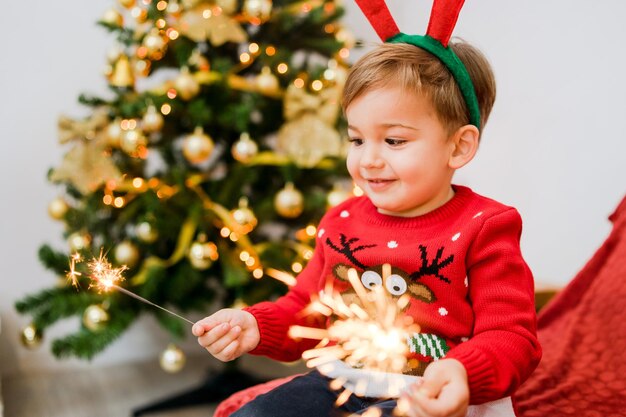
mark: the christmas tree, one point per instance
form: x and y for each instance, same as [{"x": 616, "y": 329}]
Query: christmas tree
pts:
[{"x": 203, "y": 173}]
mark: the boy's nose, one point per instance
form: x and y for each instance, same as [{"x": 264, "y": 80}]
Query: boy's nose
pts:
[{"x": 371, "y": 158}]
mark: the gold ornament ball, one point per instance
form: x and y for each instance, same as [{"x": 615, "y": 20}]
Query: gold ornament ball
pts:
[
  {"x": 267, "y": 82},
  {"x": 113, "y": 18},
  {"x": 172, "y": 359},
  {"x": 244, "y": 217},
  {"x": 289, "y": 202},
  {"x": 155, "y": 44},
  {"x": 198, "y": 146},
  {"x": 337, "y": 196},
  {"x": 126, "y": 253},
  {"x": 79, "y": 241},
  {"x": 244, "y": 149},
  {"x": 258, "y": 11},
  {"x": 152, "y": 120},
  {"x": 113, "y": 133},
  {"x": 127, "y": 3},
  {"x": 31, "y": 336},
  {"x": 95, "y": 317},
  {"x": 132, "y": 141},
  {"x": 186, "y": 84},
  {"x": 58, "y": 208},
  {"x": 202, "y": 254},
  {"x": 146, "y": 232}
]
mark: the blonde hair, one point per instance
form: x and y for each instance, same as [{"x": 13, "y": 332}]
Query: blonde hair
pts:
[{"x": 416, "y": 70}]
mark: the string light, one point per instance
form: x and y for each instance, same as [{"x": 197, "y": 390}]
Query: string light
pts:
[{"x": 166, "y": 109}]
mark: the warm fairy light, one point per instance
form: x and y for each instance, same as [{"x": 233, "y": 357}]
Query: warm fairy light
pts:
[
  {"x": 217, "y": 10},
  {"x": 298, "y": 82},
  {"x": 160, "y": 23},
  {"x": 251, "y": 261},
  {"x": 282, "y": 68},
  {"x": 317, "y": 85},
  {"x": 233, "y": 236},
  {"x": 329, "y": 28},
  {"x": 257, "y": 273},
  {"x": 118, "y": 202},
  {"x": 107, "y": 199},
  {"x": 329, "y": 74},
  {"x": 253, "y": 48},
  {"x": 344, "y": 53},
  {"x": 138, "y": 182},
  {"x": 166, "y": 109},
  {"x": 162, "y": 5},
  {"x": 244, "y": 256},
  {"x": 142, "y": 52},
  {"x": 306, "y": 8},
  {"x": 146, "y": 2},
  {"x": 368, "y": 333},
  {"x": 128, "y": 124},
  {"x": 311, "y": 230},
  {"x": 281, "y": 276},
  {"x": 296, "y": 267},
  {"x": 171, "y": 93},
  {"x": 357, "y": 191},
  {"x": 270, "y": 51},
  {"x": 207, "y": 13},
  {"x": 136, "y": 12},
  {"x": 225, "y": 232},
  {"x": 308, "y": 254},
  {"x": 172, "y": 33},
  {"x": 244, "y": 57}
]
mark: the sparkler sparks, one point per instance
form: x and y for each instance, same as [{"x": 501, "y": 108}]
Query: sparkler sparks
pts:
[
  {"x": 105, "y": 278},
  {"x": 371, "y": 335}
]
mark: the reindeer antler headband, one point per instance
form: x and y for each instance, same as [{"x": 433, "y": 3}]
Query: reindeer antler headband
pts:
[{"x": 443, "y": 17}]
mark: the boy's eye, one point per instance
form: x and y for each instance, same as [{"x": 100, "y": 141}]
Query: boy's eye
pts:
[
  {"x": 394, "y": 142},
  {"x": 355, "y": 141}
]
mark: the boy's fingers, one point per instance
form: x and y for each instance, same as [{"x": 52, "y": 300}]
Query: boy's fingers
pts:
[
  {"x": 222, "y": 342},
  {"x": 213, "y": 335}
]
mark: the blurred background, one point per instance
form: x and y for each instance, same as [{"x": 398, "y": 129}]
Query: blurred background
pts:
[{"x": 554, "y": 146}]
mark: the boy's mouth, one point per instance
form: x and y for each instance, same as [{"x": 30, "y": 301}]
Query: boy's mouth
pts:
[{"x": 378, "y": 182}]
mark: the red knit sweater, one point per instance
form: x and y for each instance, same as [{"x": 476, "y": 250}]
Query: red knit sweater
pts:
[{"x": 463, "y": 268}]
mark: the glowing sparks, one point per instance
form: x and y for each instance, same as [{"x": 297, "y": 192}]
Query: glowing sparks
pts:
[
  {"x": 370, "y": 333},
  {"x": 105, "y": 277}
]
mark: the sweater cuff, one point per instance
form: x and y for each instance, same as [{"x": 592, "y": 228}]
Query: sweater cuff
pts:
[
  {"x": 481, "y": 376},
  {"x": 272, "y": 328}
]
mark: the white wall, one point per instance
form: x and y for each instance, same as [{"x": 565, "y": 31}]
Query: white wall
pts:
[{"x": 554, "y": 146}]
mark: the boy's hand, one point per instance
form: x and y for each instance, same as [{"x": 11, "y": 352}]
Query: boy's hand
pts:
[
  {"x": 443, "y": 392},
  {"x": 228, "y": 333}
]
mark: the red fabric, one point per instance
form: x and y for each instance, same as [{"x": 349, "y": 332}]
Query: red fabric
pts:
[
  {"x": 465, "y": 259},
  {"x": 238, "y": 399},
  {"x": 583, "y": 332},
  {"x": 380, "y": 18},
  {"x": 443, "y": 17}
]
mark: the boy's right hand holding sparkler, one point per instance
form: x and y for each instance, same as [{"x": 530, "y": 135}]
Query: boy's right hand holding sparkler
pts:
[{"x": 228, "y": 333}]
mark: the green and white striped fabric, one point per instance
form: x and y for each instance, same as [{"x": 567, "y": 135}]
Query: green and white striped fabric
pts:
[{"x": 427, "y": 344}]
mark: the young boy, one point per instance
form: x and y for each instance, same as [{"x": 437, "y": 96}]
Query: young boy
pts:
[{"x": 454, "y": 252}]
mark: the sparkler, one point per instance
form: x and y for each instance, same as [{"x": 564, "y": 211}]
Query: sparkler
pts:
[
  {"x": 371, "y": 335},
  {"x": 105, "y": 277}
]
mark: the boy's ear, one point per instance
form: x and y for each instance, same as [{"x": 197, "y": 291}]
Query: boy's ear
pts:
[{"x": 464, "y": 146}]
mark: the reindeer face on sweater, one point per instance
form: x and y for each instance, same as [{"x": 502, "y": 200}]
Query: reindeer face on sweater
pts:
[{"x": 394, "y": 280}]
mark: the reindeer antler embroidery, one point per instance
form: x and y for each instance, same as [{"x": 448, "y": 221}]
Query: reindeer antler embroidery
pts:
[
  {"x": 347, "y": 250},
  {"x": 443, "y": 18},
  {"x": 434, "y": 267}
]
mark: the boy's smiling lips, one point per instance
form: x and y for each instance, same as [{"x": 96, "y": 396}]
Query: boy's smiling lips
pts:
[{"x": 377, "y": 183}]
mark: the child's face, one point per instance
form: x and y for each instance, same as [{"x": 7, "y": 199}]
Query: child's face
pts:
[{"x": 399, "y": 153}]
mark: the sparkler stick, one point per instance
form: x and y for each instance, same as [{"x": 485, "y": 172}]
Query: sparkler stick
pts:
[{"x": 104, "y": 277}]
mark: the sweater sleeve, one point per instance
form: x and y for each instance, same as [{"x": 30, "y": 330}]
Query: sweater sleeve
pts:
[
  {"x": 275, "y": 318},
  {"x": 504, "y": 349}
]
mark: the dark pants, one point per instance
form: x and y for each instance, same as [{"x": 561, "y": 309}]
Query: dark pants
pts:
[{"x": 309, "y": 395}]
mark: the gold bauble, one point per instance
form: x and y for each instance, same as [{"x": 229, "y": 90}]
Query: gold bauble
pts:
[
  {"x": 95, "y": 317},
  {"x": 289, "y": 202},
  {"x": 152, "y": 120},
  {"x": 186, "y": 84},
  {"x": 113, "y": 133},
  {"x": 79, "y": 241},
  {"x": 57, "y": 208},
  {"x": 257, "y": 11},
  {"x": 337, "y": 196},
  {"x": 132, "y": 141},
  {"x": 244, "y": 149},
  {"x": 202, "y": 254},
  {"x": 126, "y": 253},
  {"x": 127, "y": 3},
  {"x": 172, "y": 359},
  {"x": 155, "y": 44},
  {"x": 244, "y": 217},
  {"x": 113, "y": 18},
  {"x": 228, "y": 6},
  {"x": 198, "y": 146},
  {"x": 122, "y": 75},
  {"x": 267, "y": 82},
  {"x": 31, "y": 336},
  {"x": 140, "y": 14},
  {"x": 146, "y": 232},
  {"x": 346, "y": 37}
]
